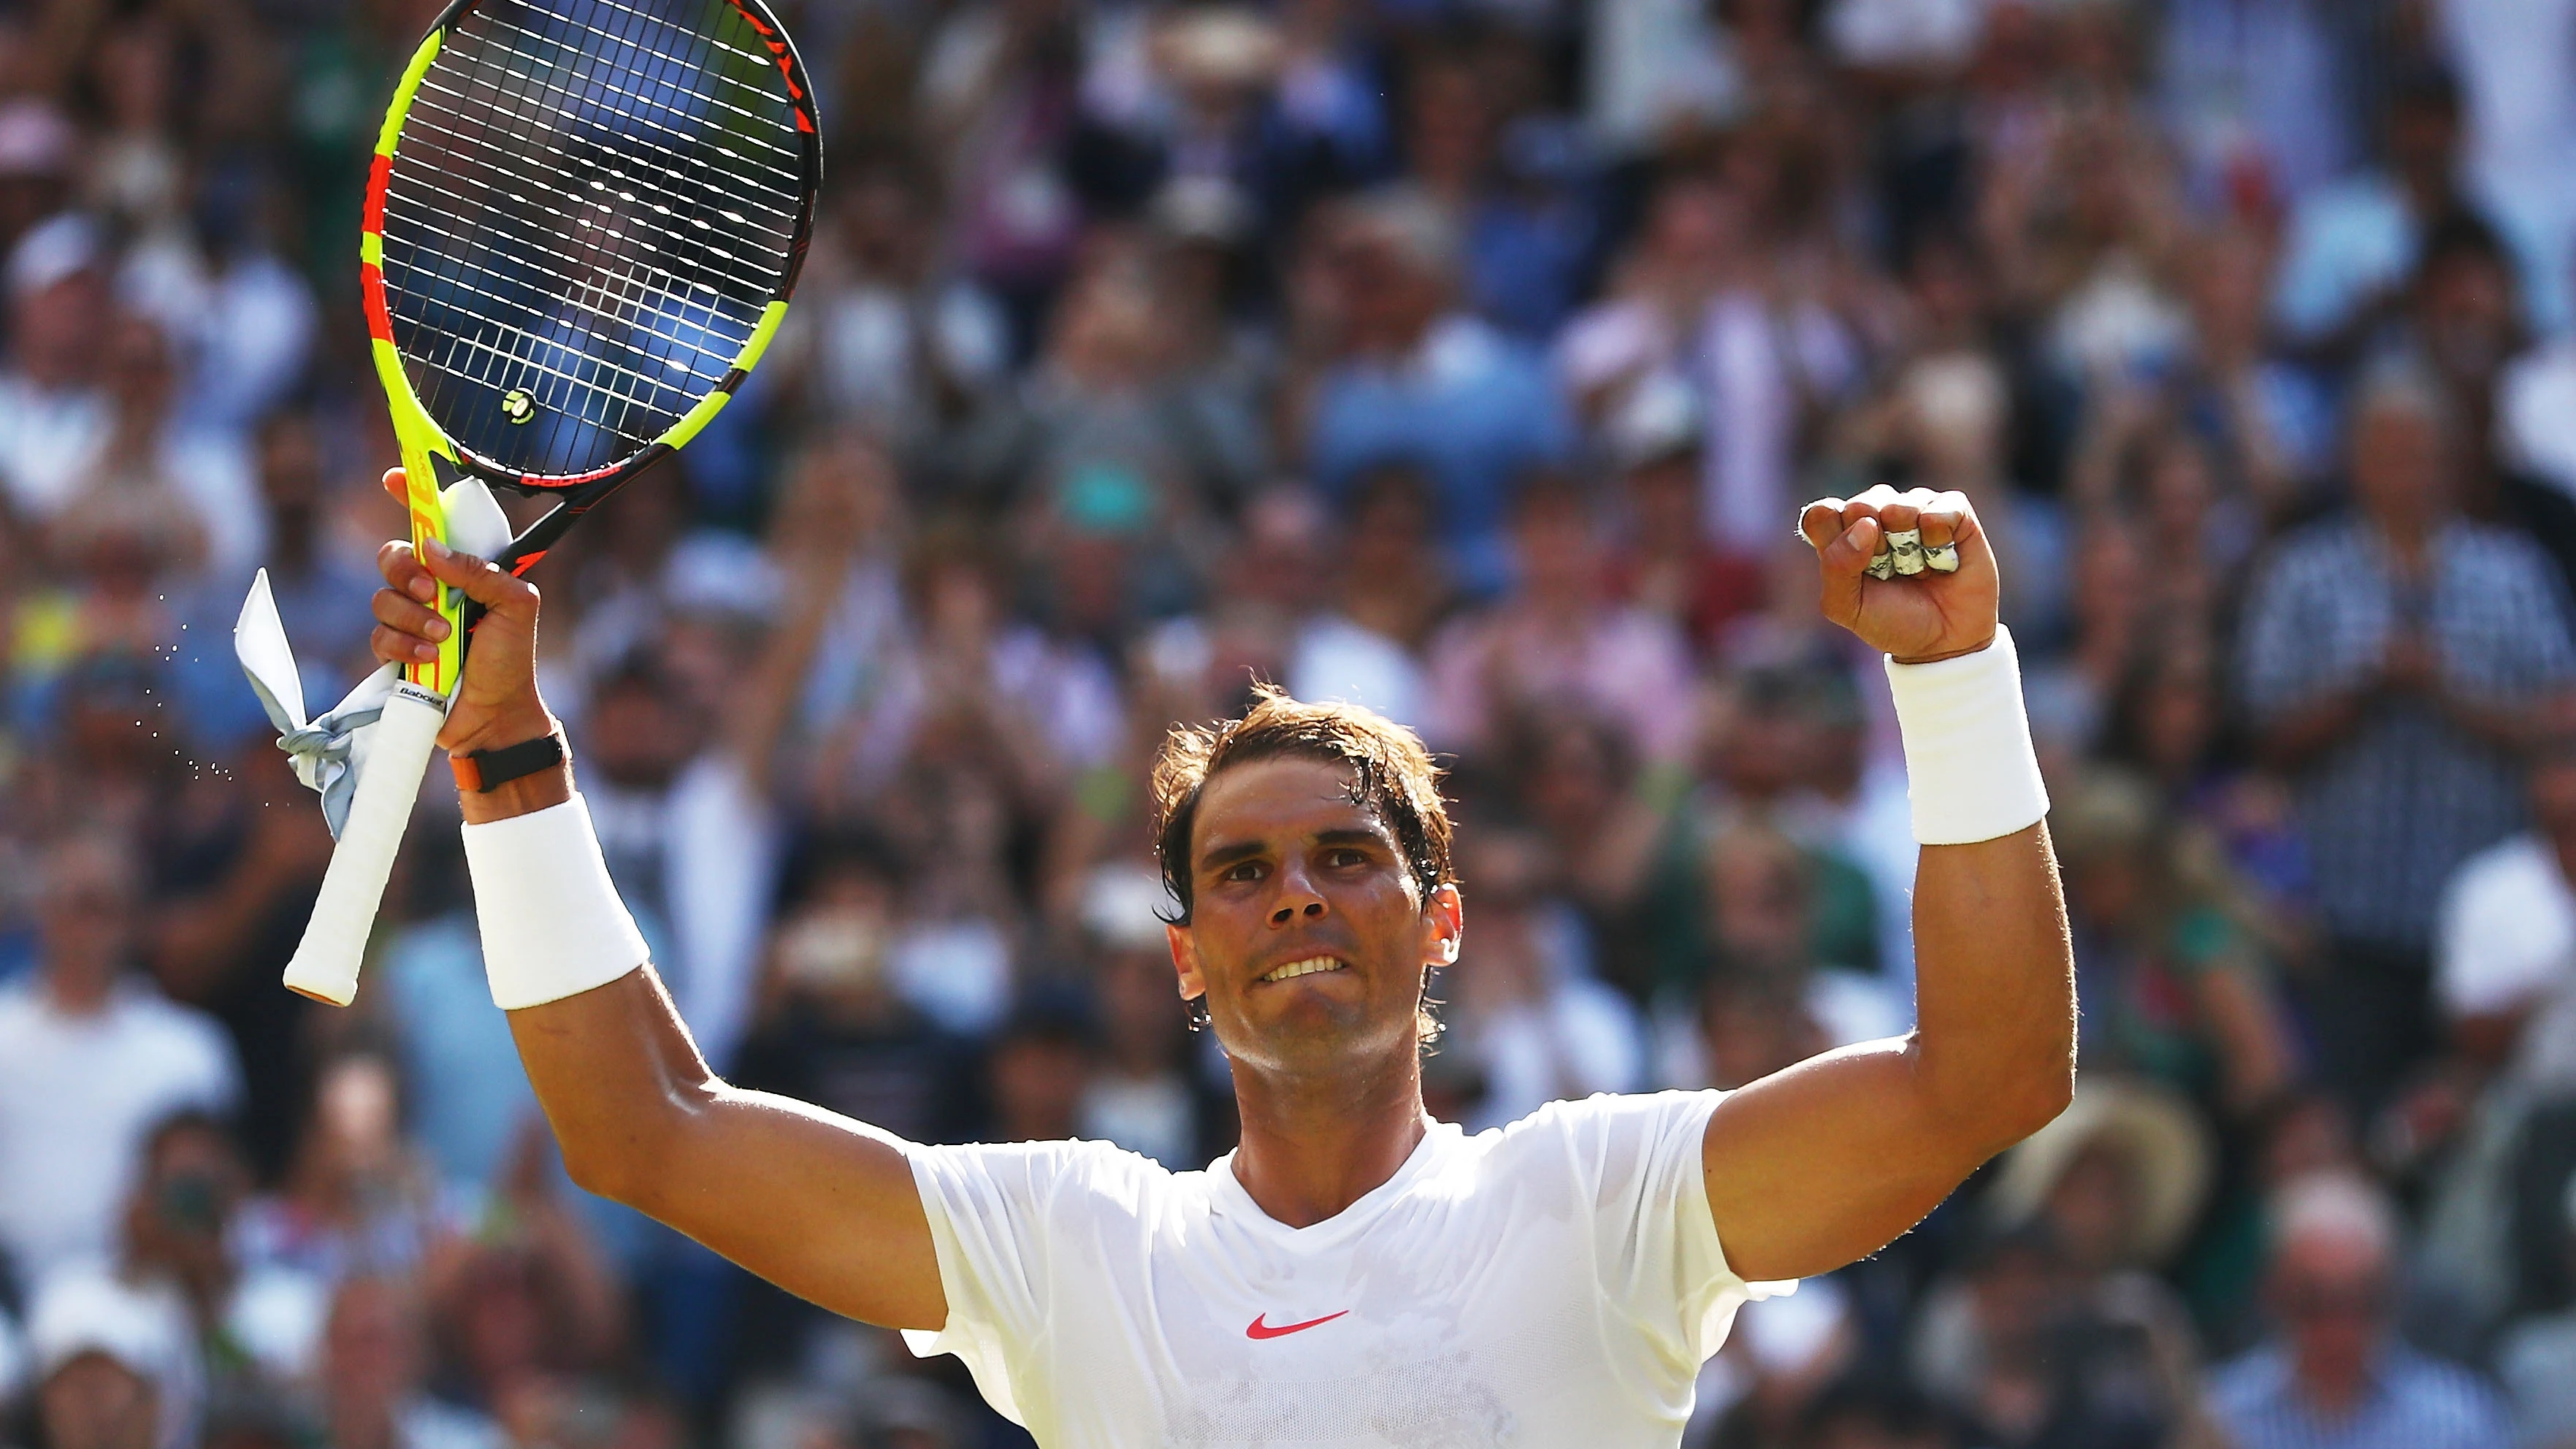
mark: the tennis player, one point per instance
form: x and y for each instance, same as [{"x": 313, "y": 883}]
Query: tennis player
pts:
[{"x": 1354, "y": 1273}]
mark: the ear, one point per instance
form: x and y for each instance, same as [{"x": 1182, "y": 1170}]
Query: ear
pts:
[
  {"x": 1444, "y": 917},
  {"x": 1185, "y": 960}
]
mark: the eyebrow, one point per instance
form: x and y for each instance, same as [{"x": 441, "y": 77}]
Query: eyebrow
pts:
[{"x": 1218, "y": 857}]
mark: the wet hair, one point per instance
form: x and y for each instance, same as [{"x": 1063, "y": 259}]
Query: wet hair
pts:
[{"x": 1393, "y": 777}]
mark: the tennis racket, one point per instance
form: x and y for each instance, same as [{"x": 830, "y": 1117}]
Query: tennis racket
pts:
[{"x": 583, "y": 221}]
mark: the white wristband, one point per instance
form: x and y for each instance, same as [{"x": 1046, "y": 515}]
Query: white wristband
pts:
[
  {"x": 1969, "y": 766},
  {"x": 552, "y": 923}
]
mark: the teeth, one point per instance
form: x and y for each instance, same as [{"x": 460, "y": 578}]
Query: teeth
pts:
[{"x": 1307, "y": 967}]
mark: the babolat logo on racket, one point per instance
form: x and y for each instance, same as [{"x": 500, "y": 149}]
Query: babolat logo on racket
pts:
[{"x": 517, "y": 405}]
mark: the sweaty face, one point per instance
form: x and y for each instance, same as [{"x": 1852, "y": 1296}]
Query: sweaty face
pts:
[{"x": 1307, "y": 932}]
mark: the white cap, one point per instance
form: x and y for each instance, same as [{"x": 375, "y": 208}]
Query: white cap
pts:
[
  {"x": 1124, "y": 907},
  {"x": 711, "y": 572},
  {"x": 53, "y": 249},
  {"x": 86, "y": 1311},
  {"x": 1655, "y": 418},
  {"x": 35, "y": 140}
]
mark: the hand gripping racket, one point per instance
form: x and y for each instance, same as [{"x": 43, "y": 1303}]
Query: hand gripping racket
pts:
[{"x": 583, "y": 221}]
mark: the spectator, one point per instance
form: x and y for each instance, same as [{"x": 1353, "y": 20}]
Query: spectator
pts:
[
  {"x": 2536, "y": 1360},
  {"x": 1040, "y": 1067},
  {"x": 358, "y": 1199},
  {"x": 2352, "y": 244},
  {"x": 2505, "y": 957},
  {"x": 1560, "y": 644},
  {"x": 1147, "y": 1096},
  {"x": 2393, "y": 662},
  {"x": 1366, "y": 646},
  {"x": 54, "y": 415},
  {"x": 2177, "y": 989},
  {"x": 1411, "y": 380},
  {"x": 1522, "y": 1005},
  {"x": 108, "y": 1361},
  {"x": 91, "y": 1058},
  {"x": 2491, "y": 1114},
  {"x": 1666, "y": 562},
  {"x": 256, "y": 1329},
  {"x": 834, "y": 1030},
  {"x": 528, "y": 1305},
  {"x": 894, "y": 342},
  {"x": 373, "y": 1362},
  {"x": 682, "y": 799},
  {"x": 2335, "y": 1372}
]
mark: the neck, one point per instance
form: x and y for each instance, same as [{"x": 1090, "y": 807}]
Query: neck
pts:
[
  {"x": 366, "y": 1424},
  {"x": 2335, "y": 1391},
  {"x": 2409, "y": 541},
  {"x": 1313, "y": 1145},
  {"x": 79, "y": 993}
]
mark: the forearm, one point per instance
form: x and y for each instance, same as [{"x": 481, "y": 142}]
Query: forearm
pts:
[
  {"x": 2506, "y": 725},
  {"x": 617, "y": 1075},
  {"x": 822, "y": 1206},
  {"x": 1994, "y": 1046},
  {"x": 611, "y": 1066},
  {"x": 2313, "y": 728}
]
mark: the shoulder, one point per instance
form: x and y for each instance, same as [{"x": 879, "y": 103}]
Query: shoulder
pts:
[
  {"x": 2323, "y": 545},
  {"x": 2354, "y": 201},
  {"x": 19, "y": 1009},
  {"x": 2439, "y": 1396},
  {"x": 1040, "y": 1176},
  {"x": 2249, "y": 1385},
  {"x": 2481, "y": 550},
  {"x": 1607, "y": 1132},
  {"x": 427, "y": 1423},
  {"x": 143, "y": 1012},
  {"x": 2511, "y": 869}
]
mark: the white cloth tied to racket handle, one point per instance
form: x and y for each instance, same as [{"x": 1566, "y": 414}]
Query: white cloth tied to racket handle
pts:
[
  {"x": 366, "y": 761},
  {"x": 327, "y": 751}
]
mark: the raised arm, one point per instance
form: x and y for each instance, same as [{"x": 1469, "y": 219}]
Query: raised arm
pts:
[
  {"x": 820, "y": 1205},
  {"x": 1828, "y": 1161}
]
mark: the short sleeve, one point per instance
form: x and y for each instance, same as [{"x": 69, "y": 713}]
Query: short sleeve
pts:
[
  {"x": 995, "y": 1216},
  {"x": 2501, "y": 938},
  {"x": 203, "y": 1070},
  {"x": 1661, "y": 1270}
]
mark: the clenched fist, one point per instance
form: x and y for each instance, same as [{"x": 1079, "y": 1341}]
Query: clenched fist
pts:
[{"x": 1914, "y": 618}]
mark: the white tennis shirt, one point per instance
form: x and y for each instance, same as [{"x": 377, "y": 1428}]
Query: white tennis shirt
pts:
[{"x": 1554, "y": 1282}]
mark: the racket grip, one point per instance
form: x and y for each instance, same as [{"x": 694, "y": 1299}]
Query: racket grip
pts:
[{"x": 353, "y": 887}]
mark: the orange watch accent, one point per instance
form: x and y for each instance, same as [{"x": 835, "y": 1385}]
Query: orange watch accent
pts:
[{"x": 484, "y": 771}]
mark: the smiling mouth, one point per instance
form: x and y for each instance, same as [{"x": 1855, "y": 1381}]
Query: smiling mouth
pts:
[{"x": 1308, "y": 967}]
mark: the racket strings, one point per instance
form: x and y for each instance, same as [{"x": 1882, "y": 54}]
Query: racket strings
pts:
[
  {"x": 523, "y": 344},
  {"x": 585, "y": 216}
]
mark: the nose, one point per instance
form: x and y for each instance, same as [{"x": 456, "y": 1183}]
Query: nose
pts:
[{"x": 1298, "y": 899}]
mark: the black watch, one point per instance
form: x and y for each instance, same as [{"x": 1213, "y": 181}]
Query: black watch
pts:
[{"x": 485, "y": 771}]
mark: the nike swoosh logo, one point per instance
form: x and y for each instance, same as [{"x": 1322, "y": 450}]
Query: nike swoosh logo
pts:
[{"x": 1259, "y": 1329}]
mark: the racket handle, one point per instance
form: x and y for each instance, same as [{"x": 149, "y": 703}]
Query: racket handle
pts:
[{"x": 335, "y": 940}]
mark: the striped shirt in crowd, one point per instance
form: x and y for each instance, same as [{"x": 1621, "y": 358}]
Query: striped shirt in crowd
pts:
[
  {"x": 2391, "y": 809},
  {"x": 2413, "y": 1403}
]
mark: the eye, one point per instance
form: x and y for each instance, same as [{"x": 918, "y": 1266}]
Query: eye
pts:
[
  {"x": 1247, "y": 870},
  {"x": 1346, "y": 856}
]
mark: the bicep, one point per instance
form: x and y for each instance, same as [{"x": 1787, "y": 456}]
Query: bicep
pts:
[
  {"x": 1824, "y": 1163},
  {"x": 823, "y": 1206}
]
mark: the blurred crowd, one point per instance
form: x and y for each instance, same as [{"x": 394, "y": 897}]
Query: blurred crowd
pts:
[{"x": 1463, "y": 358}]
